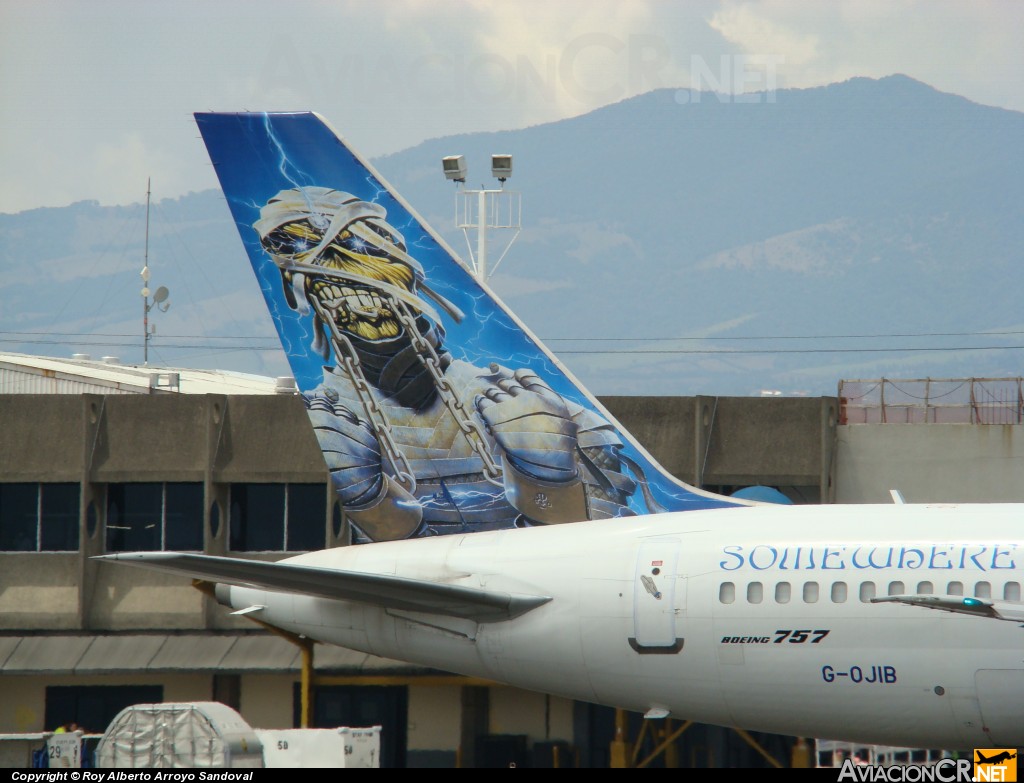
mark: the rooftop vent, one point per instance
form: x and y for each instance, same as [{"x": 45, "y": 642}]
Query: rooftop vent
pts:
[
  {"x": 165, "y": 380},
  {"x": 111, "y": 360},
  {"x": 81, "y": 357},
  {"x": 285, "y": 384}
]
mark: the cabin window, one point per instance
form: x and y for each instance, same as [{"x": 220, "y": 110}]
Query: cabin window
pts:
[
  {"x": 810, "y": 592},
  {"x": 896, "y": 588},
  {"x": 782, "y": 593},
  {"x": 983, "y": 590},
  {"x": 839, "y": 592},
  {"x": 1011, "y": 591},
  {"x": 925, "y": 588},
  {"x": 726, "y": 593},
  {"x": 867, "y": 592},
  {"x": 39, "y": 517},
  {"x": 955, "y": 588},
  {"x": 755, "y": 593}
]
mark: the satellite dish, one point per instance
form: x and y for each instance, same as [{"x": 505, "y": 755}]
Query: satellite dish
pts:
[{"x": 161, "y": 294}]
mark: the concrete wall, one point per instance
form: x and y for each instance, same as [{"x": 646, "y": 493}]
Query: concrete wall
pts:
[
  {"x": 737, "y": 441},
  {"x": 157, "y": 438},
  {"x": 95, "y": 440},
  {"x": 710, "y": 440},
  {"x": 42, "y": 437},
  {"x": 124, "y": 600},
  {"x": 939, "y": 463},
  {"x": 39, "y": 590}
]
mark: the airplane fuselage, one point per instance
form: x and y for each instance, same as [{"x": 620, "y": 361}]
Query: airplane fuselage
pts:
[{"x": 757, "y": 617}]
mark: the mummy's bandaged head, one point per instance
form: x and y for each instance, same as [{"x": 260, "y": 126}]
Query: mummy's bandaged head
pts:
[{"x": 340, "y": 250}]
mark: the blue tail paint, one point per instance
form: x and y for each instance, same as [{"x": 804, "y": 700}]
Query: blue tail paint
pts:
[{"x": 436, "y": 409}]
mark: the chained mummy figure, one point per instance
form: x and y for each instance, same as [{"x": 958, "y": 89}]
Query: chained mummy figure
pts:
[{"x": 418, "y": 443}]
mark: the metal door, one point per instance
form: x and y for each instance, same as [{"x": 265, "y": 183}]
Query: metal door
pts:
[{"x": 659, "y": 598}]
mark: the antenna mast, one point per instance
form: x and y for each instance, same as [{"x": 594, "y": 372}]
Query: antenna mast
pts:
[
  {"x": 159, "y": 297},
  {"x": 145, "y": 284}
]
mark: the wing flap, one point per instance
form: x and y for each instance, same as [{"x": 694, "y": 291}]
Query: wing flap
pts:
[
  {"x": 386, "y": 591},
  {"x": 996, "y": 610}
]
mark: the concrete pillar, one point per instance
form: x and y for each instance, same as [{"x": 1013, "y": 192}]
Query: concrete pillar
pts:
[
  {"x": 705, "y": 410},
  {"x": 92, "y": 510},
  {"x": 216, "y": 496},
  {"x": 829, "y": 441}
]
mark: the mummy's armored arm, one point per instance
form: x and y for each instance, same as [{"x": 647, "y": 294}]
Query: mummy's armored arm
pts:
[
  {"x": 608, "y": 486},
  {"x": 372, "y": 500},
  {"x": 537, "y": 441}
]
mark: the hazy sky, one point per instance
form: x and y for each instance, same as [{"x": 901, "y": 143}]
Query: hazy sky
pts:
[{"x": 97, "y": 96}]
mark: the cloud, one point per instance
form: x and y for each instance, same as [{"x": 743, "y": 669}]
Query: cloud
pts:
[
  {"x": 83, "y": 84},
  {"x": 755, "y": 32},
  {"x": 956, "y": 47}
]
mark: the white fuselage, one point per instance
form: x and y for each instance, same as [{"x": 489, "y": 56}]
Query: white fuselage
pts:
[{"x": 754, "y": 617}]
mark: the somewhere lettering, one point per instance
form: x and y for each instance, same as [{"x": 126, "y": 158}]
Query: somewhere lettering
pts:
[{"x": 764, "y": 557}]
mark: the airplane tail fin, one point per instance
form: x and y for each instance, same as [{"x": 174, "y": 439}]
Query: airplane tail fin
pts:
[{"x": 436, "y": 409}]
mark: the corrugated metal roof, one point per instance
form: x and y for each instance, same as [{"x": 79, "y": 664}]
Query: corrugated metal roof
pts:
[
  {"x": 261, "y": 654},
  {"x": 334, "y": 657},
  {"x": 115, "y": 653},
  {"x": 25, "y": 374},
  {"x": 38, "y": 654},
  {"x": 182, "y": 653},
  {"x": 190, "y": 652},
  {"x": 7, "y": 646}
]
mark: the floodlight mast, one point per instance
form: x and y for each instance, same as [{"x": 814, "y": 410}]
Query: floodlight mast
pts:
[{"x": 484, "y": 209}]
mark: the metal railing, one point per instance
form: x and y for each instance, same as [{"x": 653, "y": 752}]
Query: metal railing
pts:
[{"x": 932, "y": 401}]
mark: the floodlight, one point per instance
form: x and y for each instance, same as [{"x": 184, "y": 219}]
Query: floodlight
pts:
[
  {"x": 501, "y": 166},
  {"x": 454, "y": 167}
]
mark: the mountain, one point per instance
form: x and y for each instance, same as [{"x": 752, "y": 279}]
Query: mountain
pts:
[{"x": 767, "y": 232}]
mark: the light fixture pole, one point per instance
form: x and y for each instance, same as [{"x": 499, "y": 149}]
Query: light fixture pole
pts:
[
  {"x": 481, "y": 235},
  {"x": 484, "y": 209}
]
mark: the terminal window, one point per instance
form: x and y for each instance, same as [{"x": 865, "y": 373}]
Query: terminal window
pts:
[
  {"x": 148, "y": 516},
  {"x": 39, "y": 517},
  {"x": 277, "y": 517}
]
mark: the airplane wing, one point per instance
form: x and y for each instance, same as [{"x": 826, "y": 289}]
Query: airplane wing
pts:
[
  {"x": 389, "y": 592},
  {"x": 996, "y": 610}
]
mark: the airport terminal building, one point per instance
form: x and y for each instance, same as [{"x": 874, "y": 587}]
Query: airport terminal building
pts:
[{"x": 98, "y": 457}]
